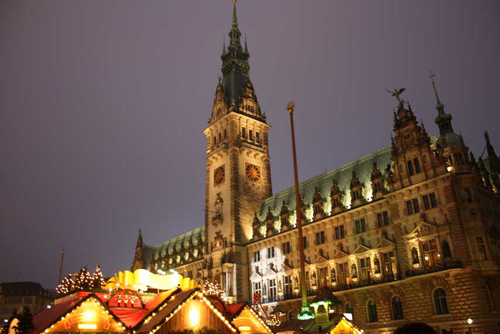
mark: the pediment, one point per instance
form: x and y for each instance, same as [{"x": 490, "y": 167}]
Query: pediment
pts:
[
  {"x": 385, "y": 243},
  {"x": 361, "y": 249},
  {"x": 320, "y": 259},
  {"x": 287, "y": 266},
  {"x": 340, "y": 254},
  {"x": 424, "y": 229},
  {"x": 256, "y": 277},
  {"x": 270, "y": 272}
]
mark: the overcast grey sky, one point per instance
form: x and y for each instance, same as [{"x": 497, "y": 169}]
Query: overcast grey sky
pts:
[{"x": 103, "y": 106}]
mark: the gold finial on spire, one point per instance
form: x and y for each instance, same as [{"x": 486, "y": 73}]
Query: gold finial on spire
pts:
[
  {"x": 235, "y": 1},
  {"x": 291, "y": 106}
]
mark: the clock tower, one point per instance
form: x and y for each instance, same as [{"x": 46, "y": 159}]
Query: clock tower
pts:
[{"x": 238, "y": 177}]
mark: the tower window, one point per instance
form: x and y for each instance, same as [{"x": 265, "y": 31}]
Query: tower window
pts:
[
  {"x": 411, "y": 170},
  {"x": 220, "y": 137},
  {"x": 416, "y": 162},
  {"x": 225, "y": 134},
  {"x": 215, "y": 141},
  {"x": 257, "y": 137},
  {"x": 481, "y": 249},
  {"x": 243, "y": 132},
  {"x": 468, "y": 195},
  {"x": 250, "y": 134},
  {"x": 305, "y": 242}
]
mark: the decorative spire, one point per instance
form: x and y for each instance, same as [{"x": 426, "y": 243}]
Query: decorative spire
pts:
[
  {"x": 246, "y": 46},
  {"x": 439, "y": 105},
  {"x": 223, "y": 45},
  {"x": 235, "y": 17},
  {"x": 493, "y": 160}
]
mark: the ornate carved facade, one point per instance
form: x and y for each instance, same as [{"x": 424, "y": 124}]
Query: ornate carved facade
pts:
[{"x": 408, "y": 233}]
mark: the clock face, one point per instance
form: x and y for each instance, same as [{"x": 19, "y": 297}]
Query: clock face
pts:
[
  {"x": 252, "y": 172},
  {"x": 219, "y": 175}
]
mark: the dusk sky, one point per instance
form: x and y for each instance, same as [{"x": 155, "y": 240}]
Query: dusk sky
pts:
[{"x": 103, "y": 106}]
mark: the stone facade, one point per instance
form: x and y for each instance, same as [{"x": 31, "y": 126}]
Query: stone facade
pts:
[{"x": 408, "y": 233}]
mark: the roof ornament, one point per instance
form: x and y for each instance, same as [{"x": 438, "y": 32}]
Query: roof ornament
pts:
[{"x": 397, "y": 93}]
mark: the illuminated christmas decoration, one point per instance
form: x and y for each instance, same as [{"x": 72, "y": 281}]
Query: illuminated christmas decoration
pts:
[
  {"x": 97, "y": 278},
  {"x": 66, "y": 285},
  {"x": 213, "y": 289}
]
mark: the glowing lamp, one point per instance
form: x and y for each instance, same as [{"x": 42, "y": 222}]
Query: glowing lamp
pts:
[
  {"x": 87, "y": 326},
  {"x": 194, "y": 317},
  {"x": 470, "y": 321},
  {"x": 245, "y": 328}
]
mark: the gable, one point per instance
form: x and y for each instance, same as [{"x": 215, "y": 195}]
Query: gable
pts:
[
  {"x": 89, "y": 315},
  {"x": 361, "y": 249},
  {"x": 248, "y": 322}
]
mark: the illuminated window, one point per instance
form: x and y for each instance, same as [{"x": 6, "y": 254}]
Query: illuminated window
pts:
[
  {"x": 440, "y": 302},
  {"x": 272, "y": 289},
  {"x": 365, "y": 268},
  {"x": 396, "y": 308},
  {"x": 431, "y": 255},
  {"x": 287, "y": 282},
  {"x": 270, "y": 252}
]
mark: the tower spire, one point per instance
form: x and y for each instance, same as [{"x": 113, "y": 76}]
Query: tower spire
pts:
[
  {"x": 235, "y": 17},
  {"x": 439, "y": 106}
]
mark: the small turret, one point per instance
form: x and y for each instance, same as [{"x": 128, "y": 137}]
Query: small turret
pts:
[{"x": 138, "y": 262}]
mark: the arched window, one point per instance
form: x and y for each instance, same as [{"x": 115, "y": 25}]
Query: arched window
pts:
[
  {"x": 371, "y": 310},
  {"x": 440, "y": 302},
  {"x": 411, "y": 170},
  {"x": 349, "y": 309},
  {"x": 446, "y": 249},
  {"x": 396, "y": 308}
]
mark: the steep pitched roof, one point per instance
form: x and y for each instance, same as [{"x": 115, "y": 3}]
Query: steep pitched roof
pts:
[
  {"x": 342, "y": 175},
  {"x": 166, "y": 248}
]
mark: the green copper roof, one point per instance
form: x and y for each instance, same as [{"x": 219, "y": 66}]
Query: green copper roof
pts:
[
  {"x": 167, "y": 248},
  {"x": 362, "y": 167}
]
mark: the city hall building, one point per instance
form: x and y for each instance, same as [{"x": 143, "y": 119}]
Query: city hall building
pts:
[{"x": 407, "y": 233}]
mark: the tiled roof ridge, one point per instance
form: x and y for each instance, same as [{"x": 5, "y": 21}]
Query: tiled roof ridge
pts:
[{"x": 329, "y": 173}]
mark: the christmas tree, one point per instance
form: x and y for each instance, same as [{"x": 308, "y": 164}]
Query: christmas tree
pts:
[
  {"x": 98, "y": 280},
  {"x": 66, "y": 285}
]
